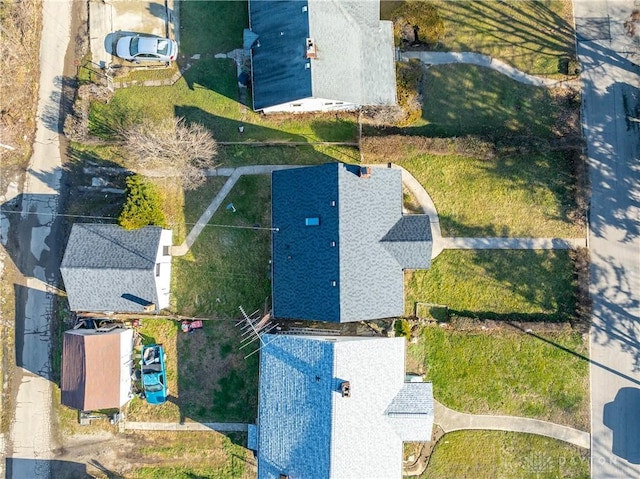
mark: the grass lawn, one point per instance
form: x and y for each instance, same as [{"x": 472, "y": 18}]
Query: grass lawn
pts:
[
  {"x": 160, "y": 331},
  {"x": 232, "y": 269},
  {"x": 510, "y": 194},
  {"x": 471, "y": 100},
  {"x": 208, "y": 94},
  {"x": 209, "y": 27},
  {"x": 507, "y": 372},
  {"x": 536, "y": 37},
  {"x": 189, "y": 454},
  {"x": 505, "y": 455},
  {"x": 525, "y": 285},
  {"x": 231, "y": 263},
  {"x": 239, "y": 155}
]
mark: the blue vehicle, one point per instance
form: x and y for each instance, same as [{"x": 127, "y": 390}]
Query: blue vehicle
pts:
[{"x": 154, "y": 377}]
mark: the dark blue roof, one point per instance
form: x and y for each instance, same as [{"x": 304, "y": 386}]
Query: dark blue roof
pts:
[
  {"x": 279, "y": 55},
  {"x": 304, "y": 260},
  {"x": 348, "y": 267}
]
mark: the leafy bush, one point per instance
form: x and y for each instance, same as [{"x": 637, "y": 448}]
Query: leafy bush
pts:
[
  {"x": 142, "y": 206},
  {"x": 409, "y": 77},
  {"x": 402, "y": 327},
  {"x": 416, "y": 22}
]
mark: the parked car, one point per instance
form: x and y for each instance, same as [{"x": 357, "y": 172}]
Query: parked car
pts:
[
  {"x": 137, "y": 48},
  {"x": 154, "y": 377}
]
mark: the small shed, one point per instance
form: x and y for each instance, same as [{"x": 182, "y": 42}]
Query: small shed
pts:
[
  {"x": 97, "y": 368},
  {"x": 109, "y": 269}
]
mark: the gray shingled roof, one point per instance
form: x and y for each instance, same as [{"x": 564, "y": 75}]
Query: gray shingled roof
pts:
[
  {"x": 411, "y": 411},
  {"x": 355, "y": 56},
  {"x": 350, "y": 266},
  {"x": 108, "y": 268},
  {"x": 307, "y": 428}
]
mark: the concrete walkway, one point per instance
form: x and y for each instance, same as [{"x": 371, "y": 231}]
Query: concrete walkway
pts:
[
  {"x": 450, "y": 420},
  {"x": 443, "y": 58},
  {"x": 513, "y": 243},
  {"x": 187, "y": 426},
  {"x": 234, "y": 175},
  {"x": 411, "y": 184}
]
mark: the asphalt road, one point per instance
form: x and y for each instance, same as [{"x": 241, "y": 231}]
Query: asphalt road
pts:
[
  {"x": 35, "y": 248},
  {"x": 611, "y": 107}
]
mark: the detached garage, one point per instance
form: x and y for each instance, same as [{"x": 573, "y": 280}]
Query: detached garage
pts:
[{"x": 96, "y": 368}]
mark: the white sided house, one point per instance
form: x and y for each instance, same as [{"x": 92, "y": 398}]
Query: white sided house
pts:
[
  {"x": 320, "y": 55},
  {"x": 109, "y": 269},
  {"x": 336, "y": 407}
]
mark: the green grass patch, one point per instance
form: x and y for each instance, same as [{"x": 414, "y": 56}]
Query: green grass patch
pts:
[
  {"x": 239, "y": 155},
  {"x": 511, "y": 195},
  {"x": 533, "y": 285},
  {"x": 147, "y": 74},
  {"x": 508, "y": 372},
  {"x": 198, "y": 200},
  {"x": 212, "y": 26},
  {"x": 208, "y": 94},
  {"x": 471, "y": 100},
  {"x": 483, "y": 454},
  {"x": 216, "y": 383},
  {"x": 160, "y": 331},
  {"x": 190, "y": 454},
  {"x": 533, "y": 36},
  {"x": 480, "y": 189},
  {"x": 230, "y": 258}
]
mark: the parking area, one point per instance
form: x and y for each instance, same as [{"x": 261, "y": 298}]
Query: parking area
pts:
[{"x": 111, "y": 19}]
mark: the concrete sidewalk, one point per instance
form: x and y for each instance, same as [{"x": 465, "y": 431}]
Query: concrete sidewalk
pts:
[
  {"x": 513, "y": 243},
  {"x": 443, "y": 58},
  {"x": 187, "y": 426},
  {"x": 450, "y": 420},
  {"x": 234, "y": 175},
  {"x": 409, "y": 182}
]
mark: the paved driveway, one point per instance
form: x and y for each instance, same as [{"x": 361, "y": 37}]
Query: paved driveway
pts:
[
  {"x": 611, "y": 105},
  {"x": 109, "y": 19}
]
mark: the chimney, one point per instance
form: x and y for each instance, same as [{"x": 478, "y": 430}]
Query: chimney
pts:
[
  {"x": 311, "y": 48},
  {"x": 345, "y": 387},
  {"x": 150, "y": 308},
  {"x": 365, "y": 172}
]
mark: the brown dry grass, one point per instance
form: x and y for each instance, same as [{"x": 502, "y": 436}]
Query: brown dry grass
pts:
[{"x": 20, "y": 25}]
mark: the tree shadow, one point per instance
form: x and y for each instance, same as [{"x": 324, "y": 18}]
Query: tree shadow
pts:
[
  {"x": 547, "y": 33},
  {"x": 59, "y": 103},
  {"x": 622, "y": 416},
  {"x": 19, "y": 468}
]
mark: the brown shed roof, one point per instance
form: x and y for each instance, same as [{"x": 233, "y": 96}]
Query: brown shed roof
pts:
[{"x": 91, "y": 369}]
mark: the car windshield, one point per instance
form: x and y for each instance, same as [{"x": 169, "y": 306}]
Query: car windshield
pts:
[
  {"x": 163, "y": 47},
  {"x": 133, "y": 48},
  {"x": 154, "y": 388}
]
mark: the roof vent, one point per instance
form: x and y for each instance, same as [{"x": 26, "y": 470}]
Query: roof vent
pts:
[
  {"x": 307, "y": 65},
  {"x": 334, "y": 283},
  {"x": 345, "y": 388},
  {"x": 365, "y": 172},
  {"x": 311, "y": 48},
  {"x": 304, "y": 9}
]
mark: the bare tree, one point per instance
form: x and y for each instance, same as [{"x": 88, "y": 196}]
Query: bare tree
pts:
[{"x": 172, "y": 146}]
